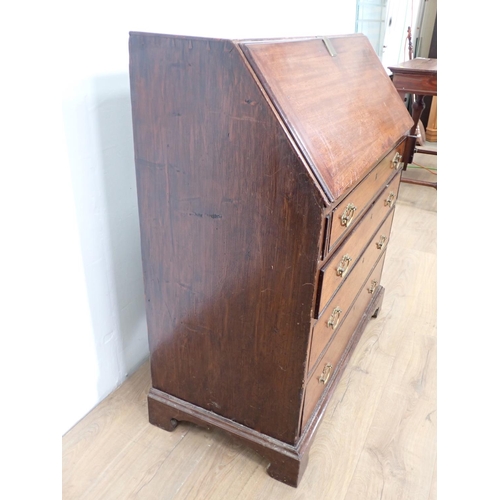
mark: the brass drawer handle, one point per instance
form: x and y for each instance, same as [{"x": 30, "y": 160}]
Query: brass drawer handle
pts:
[
  {"x": 396, "y": 161},
  {"x": 348, "y": 215},
  {"x": 380, "y": 244},
  {"x": 344, "y": 265},
  {"x": 325, "y": 375},
  {"x": 373, "y": 286},
  {"x": 334, "y": 318},
  {"x": 390, "y": 199}
]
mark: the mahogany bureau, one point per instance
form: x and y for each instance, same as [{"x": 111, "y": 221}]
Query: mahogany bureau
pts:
[{"x": 267, "y": 174}]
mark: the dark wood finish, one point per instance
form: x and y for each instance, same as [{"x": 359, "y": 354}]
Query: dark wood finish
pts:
[
  {"x": 417, "y": 76},
  {"x": 364, "y": 193},
  {"x": 227, "y": 217},
  {"x": 236, "y": 198},
  {"x": 339, "y": 344},
  {"x": 418, "y": 182},
  {"x": 427, "y": 151},
  {"x": 354, "y": 246},
  {"x": 345, "y": 295},
  {"x": 287, "y": 462},
  {"x": 410, "y": 43},
  {"x": 301, "y": 76}
]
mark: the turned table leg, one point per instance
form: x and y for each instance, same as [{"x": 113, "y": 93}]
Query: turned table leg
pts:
[{"x": 417, "y": 108}]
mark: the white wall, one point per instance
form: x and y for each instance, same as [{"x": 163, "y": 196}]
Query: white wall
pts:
[
  {"x": 80, "y": 244},
  {"x": 400, "y": 15},
  {"x": 427, "y": 27}
]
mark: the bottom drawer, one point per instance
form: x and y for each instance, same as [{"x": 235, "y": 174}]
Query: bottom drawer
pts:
[{"x": 328, "y": 368}]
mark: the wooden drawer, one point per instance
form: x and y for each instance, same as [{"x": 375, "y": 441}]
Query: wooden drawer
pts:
[
  {"x": 331, "y": 320},
  {"x": 344, "y": 216},
  {"x": 328, "y": 368},
  {"x": 336, "y": 270}
]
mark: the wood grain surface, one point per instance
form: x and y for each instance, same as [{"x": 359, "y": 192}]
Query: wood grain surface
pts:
[
  {"x": 420, "y": 64},
  {"x": 355, "y": 244},
  {"x": 320, "y": 98},
  {"x": 361, "y": 196},
  {"x": 377, "y": 439},
  {"x": 230, "y": 234}
]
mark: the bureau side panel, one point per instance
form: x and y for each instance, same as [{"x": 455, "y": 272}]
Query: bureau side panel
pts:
[{"x": 230, "y": 229}]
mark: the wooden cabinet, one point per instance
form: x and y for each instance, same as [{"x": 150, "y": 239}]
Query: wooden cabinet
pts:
[{"x": 267, "y": 174}]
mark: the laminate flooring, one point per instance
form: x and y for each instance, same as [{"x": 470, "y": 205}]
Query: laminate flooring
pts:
[{"x": 378, "y": 436}]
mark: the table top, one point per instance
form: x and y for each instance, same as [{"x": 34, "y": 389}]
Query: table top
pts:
[{"x": 417, "y": 65}]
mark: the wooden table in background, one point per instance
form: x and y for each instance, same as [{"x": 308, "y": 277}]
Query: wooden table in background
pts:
[{"x": 417, "y": 76}]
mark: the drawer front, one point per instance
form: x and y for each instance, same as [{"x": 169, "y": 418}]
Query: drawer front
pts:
[
  {"x": 336, "y": 270},
  {"x": 331, "y": 320},
  {"x": 328, "y": 368},
  {"x": 353, "y": 206}
]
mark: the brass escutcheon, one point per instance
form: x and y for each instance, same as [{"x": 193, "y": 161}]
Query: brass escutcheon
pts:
[
  {"x": 380, "y": 244},
  {"x": 334, "y": 318},
  {"x": 348, "y": 215},
  {"x": 390, "y": 199},
  {"x": 396, "y": 161},
  {"x": 373, "y": 286},
  {"x": 344, "y": 265},
  {"x": 325, "y": 375}
]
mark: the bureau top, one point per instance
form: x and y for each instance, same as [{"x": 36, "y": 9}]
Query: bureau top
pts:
[
  {"x": 333, "y": 96},
  {"x": 337, "y": 101}
]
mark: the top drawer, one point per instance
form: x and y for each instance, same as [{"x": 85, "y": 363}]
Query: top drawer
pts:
[{"x": 357, "y": 201}]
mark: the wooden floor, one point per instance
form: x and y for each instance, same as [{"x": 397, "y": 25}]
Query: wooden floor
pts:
[{"x": 378, "y": 437}]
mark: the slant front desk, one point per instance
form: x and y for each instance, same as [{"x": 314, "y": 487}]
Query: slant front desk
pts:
[{"x": 267, "y": 176}]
